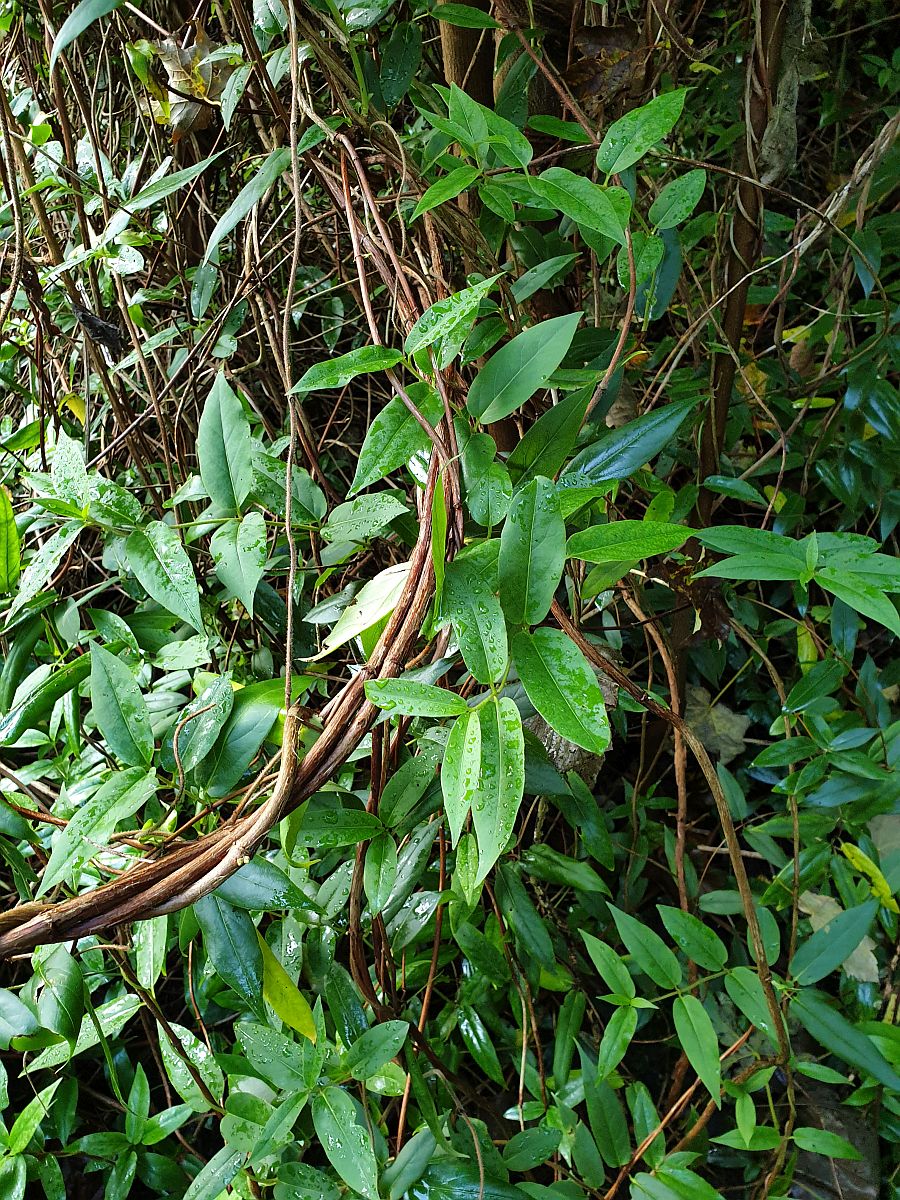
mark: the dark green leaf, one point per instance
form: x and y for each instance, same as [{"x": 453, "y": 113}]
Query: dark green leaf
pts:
[
  {"x": 562, "y": 687},
  {"x": 532, "y": 553},
  {"x": 522, "y": 366}
]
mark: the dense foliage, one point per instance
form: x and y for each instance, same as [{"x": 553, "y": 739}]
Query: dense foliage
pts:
[{"x": 448, "y": 502}]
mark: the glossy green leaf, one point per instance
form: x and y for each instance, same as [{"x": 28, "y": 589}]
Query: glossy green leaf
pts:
[
  {"x": 10, "y": 564},
  {"x": 825, "y": 950},
  {"x": 248, "y": 197},
  {"x": 89, "y": 830},
  {"x": 79, "y": 19},
  {"x": 229, "y": 938},
  {"x": 626, "y": 541},
  {"x": 548, "y": 442},
  {"x": 336, "y": 372},
  {"x": 532, "y": 553},
  {"x": 562, "y": 686},
  {"x": 29, "y": 1119},
  {"x": 409, "y": 698},
  {"x": 345, "y": 1141},
  {"x": 449, "y": 320},
  {"x": 119, "y": 709},
  {"x": 698, "y": 942},
  {"x": 648, "y": 950},
  {"x": 500, "y": 782},
  {"x": 380, "y": 871},
  {"x": 616, "y": 1039},
  {"x": 61, "y": 1001},
  {"x": 623, "y": 451},
  {"x": 860, "y": 595},
  {"x": 239, "y": 551},
  {"x": 613, "y": 971},
  {"x": 374, "y": 1048},
  {"x": 158, "y": 559},
  {"x": 201, "y": 722},
  {"x": 833, "y": 1031},
  {"x": 216, "y": 1174},
  {"x": 448, "y": 187},
  {"x": 253, "y": 714},
  {"x": 677, "y": 200},
  {"x": 743, "y": 986},
  {"x": 395, "y": 436},
  {"x": 224, "y": 448},
  {"x": 460, "y": 770},
  {"x": 585, "y": 203},
  {"x": 474, "y": 611},
  {"x": 464, "y": 16},
  {"x": 698, "y": 1040},
  {"x": 523, "y": 365},
  {"x": 824, "y": 1141},
  {"x": 628, "y": 139}
]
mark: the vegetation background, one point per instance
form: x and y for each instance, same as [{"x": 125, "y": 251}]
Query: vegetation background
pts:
[{"x": 448, "y": 504}]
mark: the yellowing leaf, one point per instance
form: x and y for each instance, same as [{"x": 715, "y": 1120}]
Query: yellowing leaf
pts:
[
  {"x": 285, "y": 997},
  {"x": 75, "y": 404},
  {"x": 881, "y": 889}
]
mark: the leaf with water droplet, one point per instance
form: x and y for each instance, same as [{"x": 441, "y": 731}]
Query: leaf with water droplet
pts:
[
  {"x": 501, "y": 781},
  {"x": 345, "y": 1141}
]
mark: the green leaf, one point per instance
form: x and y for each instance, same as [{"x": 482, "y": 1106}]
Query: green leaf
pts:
[
  {"x": 358, "y": 520},
  {"x": 158, "y": 559},
  {"x": 613, "y": 971},
  {"x": 836, "y": 1034},
  {"x": 37, "y": 575},
  {"x": 279, "y": 990},
  {"x": 201, "y": 1059},
  {"x": 461, "y": 769},
  {"x": 224, "y": 447},
  {"x": 743, "y": 986},
  {"x": 823, "y": 1141},
  {"x": 648, "y": 950},
  {"x": 254, "y": 712},
  {"x": 519, "y": 368},
  {"x": 539, "y": 277},
  {"x": 412, "y": 699},
  {"x": 374, "y": 601},
  {"x": 624, "y": 451},
  {"x": 464, "y": 16},
  {"x": 26, "y": 1123},
  {"x": 13, "y": 1173},
  {"x": 119, "y": 708},
  {"x": 161, "y": 188},
  {"x": 215, "y": 1175},
  {"x": 80, "y": 19},
  {"x": 248, "y": 197},
  {"x": 112, "y": 1017},
  {"x": 628, "y": 139},
  {"x": 501, "y": 781},
  {"x": 561, "y": 685},
  {"x": 380, "y": 871},
  {"x": 529, "y": 1148},
  {"x": 825, "y": 950},
  {"x": 699, "y": 1042},
  {"x": 10, "y": 560},
  {"x": 677, "y": 200},
  {"x": 229, "y": 938},
  {"x": 615, "y": 1041},
  {"x": 549, "y": 441},
  {"x": 345, "y": 1141},
  {"x": 395, "y": 436},
  {"x": 474, "y": 611},
  {"x": 337, "y": 372},
  {"x": 626, "y": 541},
  {"x": 449, "y": 320},
  {"x": 608, "y": 1124},
  {"x": 585, "y": 203},
  {"x": 202, "y": 721},
  {"x": 16, "y": 1018},
  {"x": 862, "y": 596},
  {"x": 532, "y": 553},
  {"x": 698, "y": 942},
  {"x": 260, "y": 886},
  {"x": 239, "y": 551},
  {"x": 487, "y": 483},
  {"x": 89, "y": 830},
  {"x": 61, "y": 1002},
  {"x": 446, "y": 188},
  {"x": 374, "y": 1048}
]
